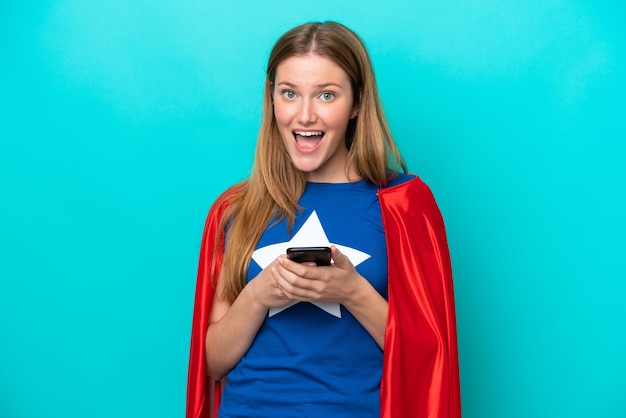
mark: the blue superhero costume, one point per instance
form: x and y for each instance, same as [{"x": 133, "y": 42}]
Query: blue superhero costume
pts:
[{"x": 315, "y": 362}]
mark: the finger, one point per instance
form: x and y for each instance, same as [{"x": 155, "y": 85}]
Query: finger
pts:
[
  {"x": 305, "y": 270},
  {"x": 340, "y": 260},
  {"x": 287, "y": 288},
  {"x": 278, "y": 289},
  {"x": 294, "y": 284}
]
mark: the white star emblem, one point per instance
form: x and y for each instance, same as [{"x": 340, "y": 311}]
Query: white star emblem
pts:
[{"x": 310, "y": 234}]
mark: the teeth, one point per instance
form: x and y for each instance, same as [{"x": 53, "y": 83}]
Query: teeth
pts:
[{"x": 309, "y": 133}]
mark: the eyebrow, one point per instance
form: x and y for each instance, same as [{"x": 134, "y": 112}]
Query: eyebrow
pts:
[{"x": 319, "y": 86}]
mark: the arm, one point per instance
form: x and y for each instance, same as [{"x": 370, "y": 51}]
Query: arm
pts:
[
  {"x": 370, "y": 309},
  {"x": 232, "y": 328}
]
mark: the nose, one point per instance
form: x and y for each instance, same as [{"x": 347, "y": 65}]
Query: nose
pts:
[{"x": 306, "y": 113}]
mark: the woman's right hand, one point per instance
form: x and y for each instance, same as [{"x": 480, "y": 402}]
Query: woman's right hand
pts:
[{"x": 265, "y": 289}]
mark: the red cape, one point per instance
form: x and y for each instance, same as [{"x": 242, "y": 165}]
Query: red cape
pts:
[{"x": 420, "y": 367}]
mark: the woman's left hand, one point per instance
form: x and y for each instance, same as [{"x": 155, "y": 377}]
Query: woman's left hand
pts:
[{"x": 339, "y": 282}]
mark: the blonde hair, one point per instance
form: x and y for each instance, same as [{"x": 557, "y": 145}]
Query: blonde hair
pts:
[{"x": 275, "y": 185}]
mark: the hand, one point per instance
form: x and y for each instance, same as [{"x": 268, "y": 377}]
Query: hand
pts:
[
  {"x": 310, "y": 283},
  {"x": 265, "y": 289}
]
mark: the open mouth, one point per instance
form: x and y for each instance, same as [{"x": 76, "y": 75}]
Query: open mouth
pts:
[{"x": 308, "y": 140}]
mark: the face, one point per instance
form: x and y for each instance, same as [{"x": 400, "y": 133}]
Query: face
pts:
[{"x": 313, "y": 103}]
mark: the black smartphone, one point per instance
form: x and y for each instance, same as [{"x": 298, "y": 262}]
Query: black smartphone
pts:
[{"x": 318, "y": 255}]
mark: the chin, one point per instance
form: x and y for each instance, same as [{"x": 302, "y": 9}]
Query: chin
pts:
[{"x": 305, "y": 168}]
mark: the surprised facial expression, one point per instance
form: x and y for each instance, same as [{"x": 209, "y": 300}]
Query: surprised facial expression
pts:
[{"x": 313, "y": 103}]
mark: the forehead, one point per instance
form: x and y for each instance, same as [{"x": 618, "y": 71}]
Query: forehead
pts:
[{"x": 310, "y": 69}]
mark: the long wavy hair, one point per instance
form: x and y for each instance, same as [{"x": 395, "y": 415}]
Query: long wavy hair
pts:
[{"x": 272, "y": 191}]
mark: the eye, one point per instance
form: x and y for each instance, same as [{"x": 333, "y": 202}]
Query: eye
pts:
[
  {"x": 327, "y": 96},
  {"x": 289, "y": 94}
]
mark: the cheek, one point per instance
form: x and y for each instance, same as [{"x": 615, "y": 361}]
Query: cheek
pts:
[
  {"x": 283, "y": 122},
  {"x": 338, "y": 119},
  {"x": 281, "y": 115}
]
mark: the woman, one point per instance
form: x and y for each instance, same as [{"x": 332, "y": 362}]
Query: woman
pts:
[{"x": 374, "y": 333}]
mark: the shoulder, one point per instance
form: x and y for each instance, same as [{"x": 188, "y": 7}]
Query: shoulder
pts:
[
  {"x": 404, "y": 182},
  {"x": 408, "y": 190},
  {"x": 229, "y": 194},
  {"x": 223, "y": 201}
]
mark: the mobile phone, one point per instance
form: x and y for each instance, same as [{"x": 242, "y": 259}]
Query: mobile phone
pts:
[{"x": 318, "y": 255}]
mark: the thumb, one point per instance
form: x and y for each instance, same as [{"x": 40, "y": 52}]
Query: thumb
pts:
[{"x": 340, "y": 260}]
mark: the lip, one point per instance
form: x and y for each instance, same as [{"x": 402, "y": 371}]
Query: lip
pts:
[{"x": 310, "y": 140}]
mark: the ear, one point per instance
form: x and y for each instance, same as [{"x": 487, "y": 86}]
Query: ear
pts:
[{"x": 355, "y": 108}]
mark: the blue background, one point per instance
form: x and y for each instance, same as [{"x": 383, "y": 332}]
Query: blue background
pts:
[{"x": 121, "y": 121}]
